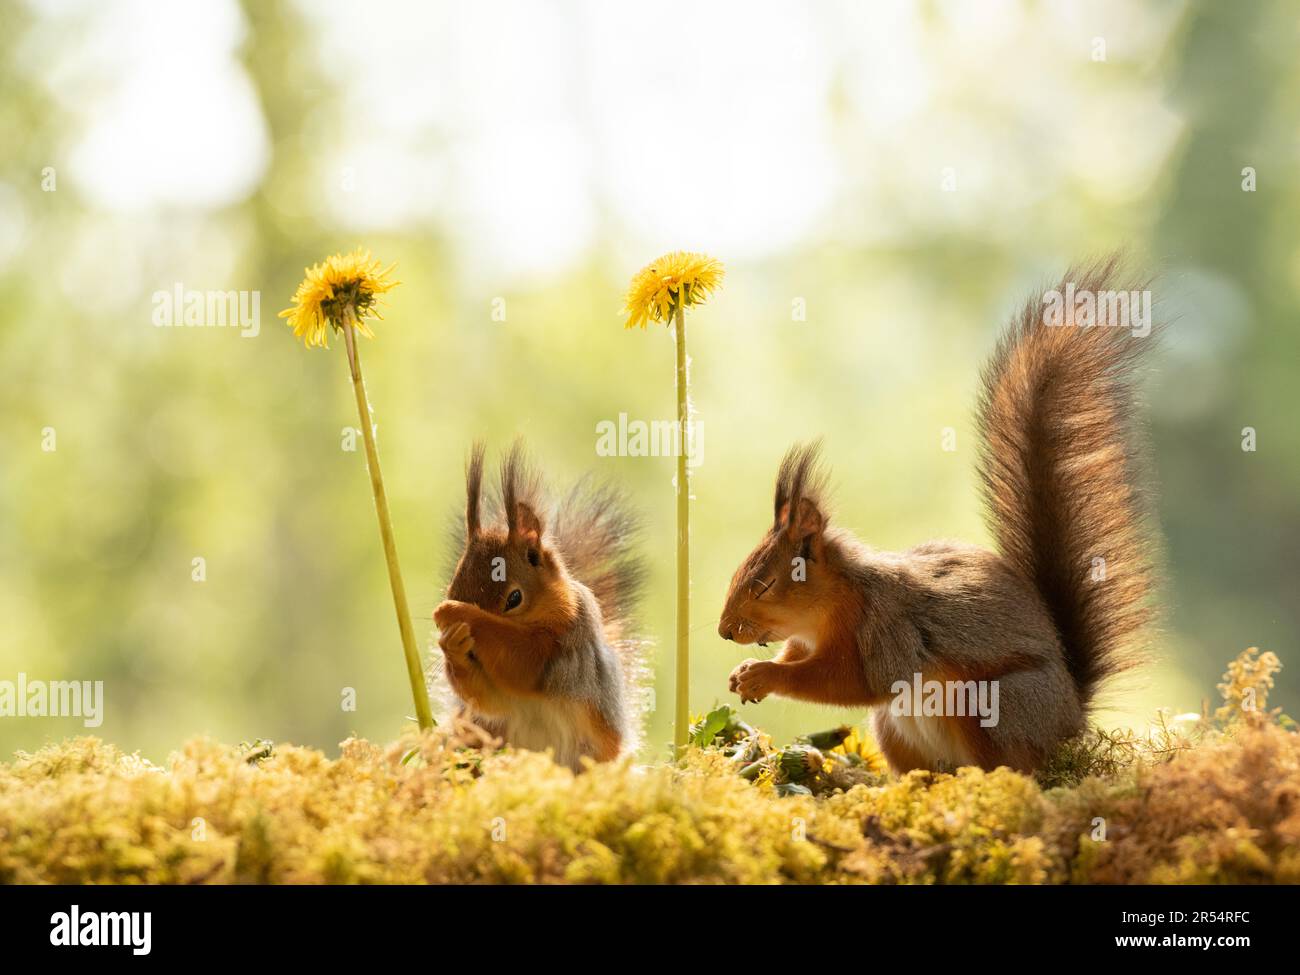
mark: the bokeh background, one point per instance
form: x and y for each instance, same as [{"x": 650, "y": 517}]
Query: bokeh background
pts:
[{"x": 907, "y": 172}]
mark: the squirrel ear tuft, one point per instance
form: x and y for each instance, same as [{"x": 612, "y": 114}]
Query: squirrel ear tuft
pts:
[
  {"x": 527, "y": 524},
  {"x": 782, "y": 514},
  {"x": 520, "y": 487},
  {"x": 473, "y": 488},
  {"x": 801, "y": 477}
]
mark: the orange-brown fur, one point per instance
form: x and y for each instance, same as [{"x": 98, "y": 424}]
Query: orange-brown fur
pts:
[
  {"x": 607, "y": 740},
  {"x": 532, "y": 629},
  {"x": 1061, "y": 478}
]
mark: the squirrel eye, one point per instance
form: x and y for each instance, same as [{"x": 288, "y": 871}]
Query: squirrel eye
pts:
[
  {"x": 533, "y": 557},
  {"x": 514, "y": 599}
]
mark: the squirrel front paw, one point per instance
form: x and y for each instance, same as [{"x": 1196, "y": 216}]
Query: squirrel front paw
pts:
[
  {"x": 456, "y": 641},
  {"x": 450, "y": 611},
  {"x": 752, "y": 680}
]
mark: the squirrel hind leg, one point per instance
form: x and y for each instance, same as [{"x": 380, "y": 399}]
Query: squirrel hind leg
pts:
[
  {"x": 989, "y": 749},
  {"x": 1038, "y": 710},
  {"x": 604, "y": 739}
]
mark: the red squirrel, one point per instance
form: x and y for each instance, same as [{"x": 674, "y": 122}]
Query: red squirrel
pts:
[
  {"x": 535, "y": 630},
  {"x": 1058, "y": 608}
]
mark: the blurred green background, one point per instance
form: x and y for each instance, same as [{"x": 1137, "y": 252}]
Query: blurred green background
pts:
[{"x": 907, "y": 172}]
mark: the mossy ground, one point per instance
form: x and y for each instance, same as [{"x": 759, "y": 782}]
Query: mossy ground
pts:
[{"x": 1217, "y": 801}]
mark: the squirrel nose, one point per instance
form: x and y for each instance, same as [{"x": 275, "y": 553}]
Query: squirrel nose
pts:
[{"x": 724, "y": 631}]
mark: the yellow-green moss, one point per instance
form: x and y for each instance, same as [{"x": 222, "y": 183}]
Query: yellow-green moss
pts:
[
  {"x": 1223, "y": 806},
  {"x": 82, "y": 812}
]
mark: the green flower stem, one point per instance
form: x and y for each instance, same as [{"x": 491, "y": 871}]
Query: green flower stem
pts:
[
  {"x": 413, "y": 668},
  {"x": 681, "y": 718}
]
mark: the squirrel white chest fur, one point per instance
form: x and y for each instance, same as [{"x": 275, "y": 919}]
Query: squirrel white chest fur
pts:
[
  {"x": 931, "y": 736},
  {"x": 541, "y": 724}
]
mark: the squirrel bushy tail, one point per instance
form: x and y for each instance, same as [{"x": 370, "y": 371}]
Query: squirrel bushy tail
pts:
[
  {"x": 1062, "y": 479},
  {"x": 595, "y": 528}
]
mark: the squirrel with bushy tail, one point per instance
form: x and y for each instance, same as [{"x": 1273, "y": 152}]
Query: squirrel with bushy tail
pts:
[
  {"x": 1060, "y": 605},
  {"x": 537, "y": 628}
]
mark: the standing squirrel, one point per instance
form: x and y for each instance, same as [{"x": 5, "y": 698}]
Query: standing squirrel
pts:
[
  {"x": 1044, "y": 620},
  {"x": 535, "y": 629}
]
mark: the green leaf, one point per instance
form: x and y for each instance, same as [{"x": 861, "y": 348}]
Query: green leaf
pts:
[{"x": 713, "y": 724}]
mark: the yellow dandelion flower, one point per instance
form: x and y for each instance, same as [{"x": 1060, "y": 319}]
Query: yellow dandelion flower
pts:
[
  {"x": 341, "y": 292},
  {"x": 862, "y": 745},
  {"x": 681, "y": 276},
  {"x": 661, "y": 292},
  {"x": 329, "y": 288}
]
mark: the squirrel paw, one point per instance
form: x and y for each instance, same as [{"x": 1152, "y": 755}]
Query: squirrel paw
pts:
[
  {"x": 752, "y": 680},
  {"x": 449, "y": 611},
  {"x": 456, "y": 640}
]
